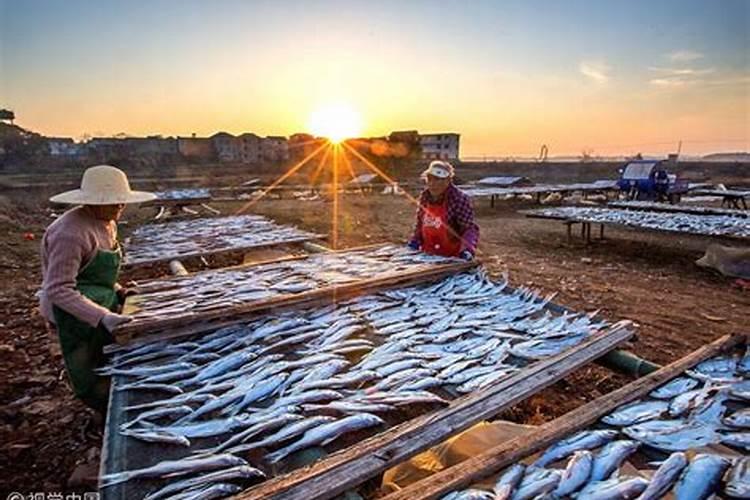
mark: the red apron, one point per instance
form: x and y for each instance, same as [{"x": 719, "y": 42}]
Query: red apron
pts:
[{"x": 437, "y": 238}]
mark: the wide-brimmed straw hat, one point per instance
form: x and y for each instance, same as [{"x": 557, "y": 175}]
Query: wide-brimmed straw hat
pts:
[
  {"x": 440, "y": 169},
  {"x": 103, "y": 185}
]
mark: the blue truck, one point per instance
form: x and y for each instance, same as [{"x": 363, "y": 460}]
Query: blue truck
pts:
[{"x": 649, "y": 180}]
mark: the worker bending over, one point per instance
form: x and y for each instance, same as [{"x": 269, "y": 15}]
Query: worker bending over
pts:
[{"x": 80, "y": 297}]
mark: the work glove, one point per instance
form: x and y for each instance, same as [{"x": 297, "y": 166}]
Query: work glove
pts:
[
  {"x": 110, "y": 321},
  {"x": 413, "y": 244},
  {"x": 466, "y": 255}
]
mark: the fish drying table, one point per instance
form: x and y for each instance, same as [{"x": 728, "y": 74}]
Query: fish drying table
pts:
[
  {"x": 651, "y": 206},
  {"x": 578, "y": 215},
  {"x": 731, "y": 197},
  {"x": 364, "y": 460},
  {"x": 154, "y": 243},
  {"x": 174, "y": 201},
  {"x": 495, "y": 192},
  {"x": 172, "y": 304},
  {"x": 494, "y": 460}
]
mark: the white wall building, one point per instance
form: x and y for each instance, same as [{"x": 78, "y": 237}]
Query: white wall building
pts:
[{"x": 439, "y": 146}]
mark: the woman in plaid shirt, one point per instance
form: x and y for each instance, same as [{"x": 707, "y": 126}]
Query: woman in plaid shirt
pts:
[{"x": 445, "y": 218}]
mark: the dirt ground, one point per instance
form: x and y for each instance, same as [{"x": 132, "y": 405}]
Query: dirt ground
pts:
[{"x": 647, "y": 278}]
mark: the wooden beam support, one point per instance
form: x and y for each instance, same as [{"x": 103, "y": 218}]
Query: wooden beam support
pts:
[
  {"x": 495, "y": 459},
  {"x": 354, "y": 465}
]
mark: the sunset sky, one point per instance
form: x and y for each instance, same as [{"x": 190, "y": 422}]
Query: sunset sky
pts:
[{"x": 615, "y": 77}]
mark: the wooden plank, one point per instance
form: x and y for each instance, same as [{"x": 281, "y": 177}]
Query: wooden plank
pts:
[
  {"x": 173, "y": 328},
  {"x": 494, "y": 459},
  {"x": 350, "y": 467}
]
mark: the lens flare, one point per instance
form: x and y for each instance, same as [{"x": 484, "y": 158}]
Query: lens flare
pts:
[{"x": 336, "y": 122}]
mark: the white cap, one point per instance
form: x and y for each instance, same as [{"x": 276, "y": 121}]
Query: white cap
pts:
[
  {"x": 440, "y": 169},
  {"x": 103, "y": 185}
]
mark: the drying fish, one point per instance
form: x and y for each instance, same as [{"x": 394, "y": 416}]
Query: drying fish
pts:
[
  {"x": 174, "y": 468},
  {"x": 738, "y": 479},
  {"x": 239, "y": 472},
  {"x": 737, "y": 439},
  {"x": 611, "y": 457},
  {"x": 613, "y": 489},
  {"x": 585, "y": 440},
  {"x": 326, "y": 433},
  {"x": 169, "y": 411},
  {"x": 509, "y": 481},
  {"x": 739, "y": 419},
  {"x": 701, "y": 477},
  {"x": 576, "y": 473},
  {"x": 673, "y": 435},
  {"x": 665, "y": 477},
  {"x": 636, "y": 412},
  {"x": 209, "y": 492},
  {"x": 286, "y": 433},
  {"x": 688, "y": 401},
  {"x": 536, "y": 481},
  {"x": 470, "y": 494},
  {"x": 156, "y": 436}
]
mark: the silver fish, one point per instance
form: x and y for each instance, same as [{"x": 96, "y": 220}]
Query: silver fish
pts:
[
  {"x": 576, "y": 473},
  {"x": 536, "y": 482},
  {"x": 287, "y": 432},
  {"x": 636, "y": 412},
  {"x": 156, "y": 436},
  {"x": 158, "y": 413},
  {"x": 585, "y": 440},
  {"x": 701, "y": 477},
  {"x": 326, "y": 433},
  {"x": 209, "y": 492},
  {"x": 509, "y": 481},
  {"x": 665, "y": 477},
  {"x": 673, "y": 435},
  {"x": 613, "y": 489},
  {"x": 688, "y": 401},
  {"x": 609, "y": 459},
  {"x": 740, "y": 419},
  {"x": 737, "y": 439},
  {"x": 174, "y": 468},
  {"x": 239, "y": 472},
  {"x": 738, "y": 479}
]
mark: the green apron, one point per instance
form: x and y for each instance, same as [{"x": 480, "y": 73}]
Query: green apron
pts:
[{"x": 81, "y": 343}]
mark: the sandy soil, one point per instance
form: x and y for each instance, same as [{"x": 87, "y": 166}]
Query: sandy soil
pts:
[{"x": 649, "y": 279}]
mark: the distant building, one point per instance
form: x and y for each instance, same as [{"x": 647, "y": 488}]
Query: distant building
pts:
[
  {"x": 102, "y": 148},
  {"x": 250, "y": 148},
  {"x": 196, "y": 148},
  {"x": 151, "y": 146},
  {"x": 275, "y": 148},
  {"x": 63, "y": 146},
  {"x": 301, "y": 146},
  {"x": 439, "y": 146},
  {"x": 228, "y": 147}
]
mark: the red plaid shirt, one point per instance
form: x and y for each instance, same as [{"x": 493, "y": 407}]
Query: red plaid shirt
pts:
[{"x": 460, "y": 217}]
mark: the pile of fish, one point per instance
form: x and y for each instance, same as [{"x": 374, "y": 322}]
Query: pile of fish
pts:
[
  {"x": 685, "y": 209},
  {"x": 173, "y": 240},
  {"x": 260, "y": 391},
  {"x": 684, "y": 421},
  {"x": 183, "y": 194},
  {"x": 708, "y": 225},
  {"x": 477, "y": 191},
  {"x": 226, "y": 288}
]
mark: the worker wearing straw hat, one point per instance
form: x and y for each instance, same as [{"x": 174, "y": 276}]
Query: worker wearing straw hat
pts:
[
  {"x": 80, "y": 297},
  {"x": 445, "y": 218}
]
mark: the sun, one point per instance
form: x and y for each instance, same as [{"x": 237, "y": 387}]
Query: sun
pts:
[{"x": 335, "y": 122}]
